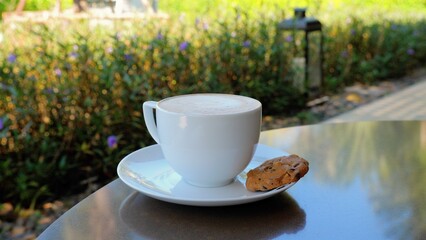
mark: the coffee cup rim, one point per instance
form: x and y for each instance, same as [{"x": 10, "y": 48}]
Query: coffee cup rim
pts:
[{"x": 259, "y": 105}]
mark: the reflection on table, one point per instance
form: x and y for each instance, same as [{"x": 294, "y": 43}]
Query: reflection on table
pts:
[
  {"x": 382, "y": 163},
  {"x": 146, "y": 216},
  {"x": 366, "y": 181}
]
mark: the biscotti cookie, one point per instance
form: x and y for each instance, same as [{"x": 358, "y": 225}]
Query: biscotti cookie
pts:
[{"x": 276, "y": 172}]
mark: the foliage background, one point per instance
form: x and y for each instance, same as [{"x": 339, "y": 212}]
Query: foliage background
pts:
[{"x": 71, "y": 92}]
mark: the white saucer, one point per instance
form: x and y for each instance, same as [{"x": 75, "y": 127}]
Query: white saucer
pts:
[{"x": 147, "y": 171}]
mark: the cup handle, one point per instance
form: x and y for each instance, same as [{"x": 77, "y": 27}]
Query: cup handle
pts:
[{"x": 148, "y": 114}]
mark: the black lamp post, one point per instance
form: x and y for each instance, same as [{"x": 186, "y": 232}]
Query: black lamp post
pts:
[{"x": 305, "y": 34}]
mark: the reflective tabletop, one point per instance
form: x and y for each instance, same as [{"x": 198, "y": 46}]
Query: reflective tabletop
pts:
[{"x": 367, "y": 180}]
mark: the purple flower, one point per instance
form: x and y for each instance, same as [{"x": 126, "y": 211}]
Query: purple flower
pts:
[
  {"x": 344, "y": 54},
  {"x": 197, "y": 21},
  {"x": 246, "y": 43},
  {"x": 1, "y": 123},
  {"x": 353, "y": 32},
  {"x": 58, "y": 72},
  {"x": 205, "y": 26},
  {"x": 128, "y": 56},
  {"x": 48, "y": 91},
  {"x": 183, "y": 46},
  {"x": 11, "y": 58},
  {"x": 411, "y": 52},
  {"x": 109, "y": 50},
  {"x": 112, "y": 141},
  {"x": 73, "y": 55},
  {"x": 160, "y": 36},
  {"x": 289, "y": 38}
]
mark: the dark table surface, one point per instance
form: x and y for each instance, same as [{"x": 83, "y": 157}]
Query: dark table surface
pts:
[{"x": 367, "y": 180}]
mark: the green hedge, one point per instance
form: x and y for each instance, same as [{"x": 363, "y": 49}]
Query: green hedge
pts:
[
  {"x": 366, "y": 53},
  {"x": 70, "y": 101}
]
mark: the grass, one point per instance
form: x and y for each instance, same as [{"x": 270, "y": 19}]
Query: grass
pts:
[{"x": 326, "y": 10}]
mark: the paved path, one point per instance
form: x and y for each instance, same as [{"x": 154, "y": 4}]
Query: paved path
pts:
[{"x": 407, "y": 104}]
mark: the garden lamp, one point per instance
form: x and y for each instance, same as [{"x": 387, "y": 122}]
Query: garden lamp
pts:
[{"x": 304, "y": 36}]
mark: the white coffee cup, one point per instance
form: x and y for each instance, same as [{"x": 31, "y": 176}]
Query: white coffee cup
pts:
[{"x": 207, "y": 138}]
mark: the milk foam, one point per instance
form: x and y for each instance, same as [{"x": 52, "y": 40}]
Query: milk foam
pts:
[{"x": 209, "y": 104}]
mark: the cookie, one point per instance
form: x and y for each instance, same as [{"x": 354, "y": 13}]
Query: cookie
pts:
[{"x": 277, "y": 172}]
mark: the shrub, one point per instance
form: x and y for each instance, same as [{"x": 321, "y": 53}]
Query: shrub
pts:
[
  {"x": 367, "y": 53},
  {"x": 71, "y": 100}
]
